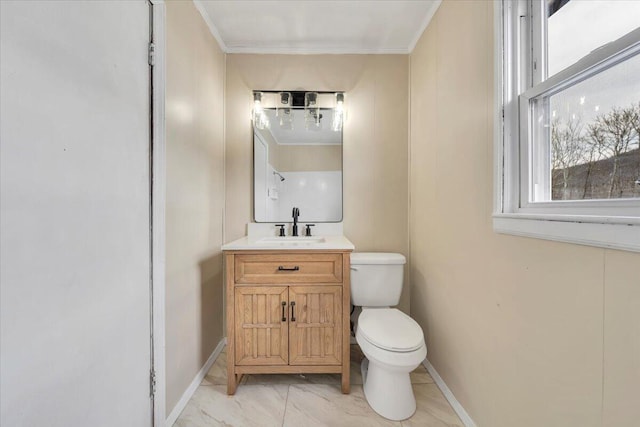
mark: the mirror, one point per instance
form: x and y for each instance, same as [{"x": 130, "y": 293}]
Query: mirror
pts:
[{"x": 297, "y": 162}]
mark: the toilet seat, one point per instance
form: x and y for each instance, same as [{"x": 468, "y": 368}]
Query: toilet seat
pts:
[{"x": 390, "y": 329}]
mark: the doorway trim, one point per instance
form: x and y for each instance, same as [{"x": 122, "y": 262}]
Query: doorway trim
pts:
[{"x": 158, "y": 196}]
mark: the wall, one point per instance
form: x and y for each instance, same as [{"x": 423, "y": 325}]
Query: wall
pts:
[
  {"x": 375, "y": 139},
  {"x": 302, "y": 157},
  {"x": 74, "y": 214},
  {"x": 525, "y": 332},
  {"x": 195, "y": 165}
]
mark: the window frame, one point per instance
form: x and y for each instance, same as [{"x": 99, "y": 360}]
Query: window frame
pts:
[{"x": 518, "y": 80}]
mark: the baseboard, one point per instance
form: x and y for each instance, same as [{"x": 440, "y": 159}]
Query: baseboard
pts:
[
  {"x": 188, "y": 393},
  {"x": 457, "y": 407}
]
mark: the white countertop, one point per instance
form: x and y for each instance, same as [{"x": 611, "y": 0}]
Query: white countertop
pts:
[{"x": 289, "y": 243}]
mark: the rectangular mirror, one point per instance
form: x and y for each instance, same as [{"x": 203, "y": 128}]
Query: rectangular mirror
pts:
[{"x": 297, "y": 162}]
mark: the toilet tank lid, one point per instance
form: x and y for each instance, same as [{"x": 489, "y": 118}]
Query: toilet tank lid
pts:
[{"x": 383, "y": 258}]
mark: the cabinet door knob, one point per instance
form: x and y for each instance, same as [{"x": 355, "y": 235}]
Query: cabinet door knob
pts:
[
  {"x": 284, "y": 306},
  {"x": 293, "y": 311}
]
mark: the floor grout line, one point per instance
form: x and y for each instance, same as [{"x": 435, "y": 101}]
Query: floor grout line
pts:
[{"x": 286, "y": 402}]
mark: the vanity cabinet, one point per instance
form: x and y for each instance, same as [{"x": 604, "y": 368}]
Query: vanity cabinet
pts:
[{"x": 287, "y": 313}]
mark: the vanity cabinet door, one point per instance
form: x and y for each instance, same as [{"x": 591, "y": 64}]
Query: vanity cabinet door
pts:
[
  {"x": 260, "y": 329},
  {"x": 315, "y": 325}
]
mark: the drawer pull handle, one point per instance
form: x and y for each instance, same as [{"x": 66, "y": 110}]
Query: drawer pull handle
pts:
[
  {"x": 282, "y": 268},
  {"x": 284, "y": 306},
  {"x": 293, "y": 311}
]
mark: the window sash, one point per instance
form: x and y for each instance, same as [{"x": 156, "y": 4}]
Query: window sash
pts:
[
  {"x": 597, "y": 61},
  {"x": 591, "y": 65},
  {"x": 524, "y": 192},
  {"x": 588, "y": 222}
]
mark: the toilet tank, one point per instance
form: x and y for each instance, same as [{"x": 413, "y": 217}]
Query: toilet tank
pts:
[{"x": 376, "y": 278}]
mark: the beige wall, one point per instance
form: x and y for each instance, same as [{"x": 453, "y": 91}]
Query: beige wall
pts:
[
  {"x": 375, "y": 139},
  {"x": 525, "y": 332},
  {"x": 195, "y": 164},
  {"x": 301, "y": 158}
]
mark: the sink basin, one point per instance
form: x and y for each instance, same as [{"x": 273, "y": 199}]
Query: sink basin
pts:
[{"x": 289, "y": 240}]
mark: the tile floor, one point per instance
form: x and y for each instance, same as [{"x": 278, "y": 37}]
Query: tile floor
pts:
[{"x": 305, "y": 400}]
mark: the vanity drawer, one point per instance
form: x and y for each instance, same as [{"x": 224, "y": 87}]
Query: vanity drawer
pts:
[{"x": 288, "y": 268}]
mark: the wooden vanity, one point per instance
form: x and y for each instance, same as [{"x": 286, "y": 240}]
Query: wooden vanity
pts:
[{"x": 287, "y": 313}]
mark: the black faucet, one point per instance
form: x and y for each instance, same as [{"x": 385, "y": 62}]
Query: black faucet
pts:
[{"x": 295, "y": 214}]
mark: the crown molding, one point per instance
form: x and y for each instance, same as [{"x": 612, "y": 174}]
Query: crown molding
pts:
[
  {"x": 315, "y": 51},
  {"x": 212, "y": 28},
  {"x": 427, "y": 19}
]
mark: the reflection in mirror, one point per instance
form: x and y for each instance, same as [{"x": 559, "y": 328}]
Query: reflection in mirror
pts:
[{"x": 298, "y": 163}]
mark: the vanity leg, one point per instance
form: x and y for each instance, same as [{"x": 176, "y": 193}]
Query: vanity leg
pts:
[
  {"x": 346, "y": 368},
  {"x": 346, "y": 314},
  {"x": 232, "y": 384},
  {"x": 232, "y": 377},
  {"x": 346, "y": 386}
]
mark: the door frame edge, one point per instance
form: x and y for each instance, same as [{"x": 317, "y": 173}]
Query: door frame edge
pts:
[{"x": 159, "y": 209}]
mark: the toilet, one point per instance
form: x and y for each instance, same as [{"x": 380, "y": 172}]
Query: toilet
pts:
[{"x": 392, "y": 342}]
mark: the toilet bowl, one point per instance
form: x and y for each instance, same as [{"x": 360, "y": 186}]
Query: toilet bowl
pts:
[{"x": 393, "y": 345}]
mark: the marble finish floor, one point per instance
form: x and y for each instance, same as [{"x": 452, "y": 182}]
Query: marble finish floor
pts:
[{"x": 305, "y": 400}]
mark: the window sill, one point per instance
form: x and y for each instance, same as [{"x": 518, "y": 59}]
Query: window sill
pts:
[{"x": 571, "y": 229}]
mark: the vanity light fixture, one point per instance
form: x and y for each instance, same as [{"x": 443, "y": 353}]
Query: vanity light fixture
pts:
[
  {"x": 283, "y": 110},
  {"x": 260, "y": 119},
  {"x": 312, "y": 113},
  {"x": 287, "y": 101},
  {"x": 285, "y": 98},
  {"x": 338, "y": 113}
]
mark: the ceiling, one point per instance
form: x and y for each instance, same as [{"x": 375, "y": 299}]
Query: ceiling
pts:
[{"x": 317, "y": 26}]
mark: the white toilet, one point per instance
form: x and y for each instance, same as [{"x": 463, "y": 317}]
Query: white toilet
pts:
[{"x": 392, "y": 342}]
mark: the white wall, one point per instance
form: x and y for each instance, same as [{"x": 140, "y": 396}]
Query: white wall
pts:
[{"x": 74, "y": 214}]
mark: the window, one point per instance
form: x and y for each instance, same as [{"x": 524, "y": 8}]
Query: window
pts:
[{"x": 568, "y": 121}]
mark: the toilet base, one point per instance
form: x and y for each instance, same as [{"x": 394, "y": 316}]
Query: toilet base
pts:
[{"x": 388, "y": 392}]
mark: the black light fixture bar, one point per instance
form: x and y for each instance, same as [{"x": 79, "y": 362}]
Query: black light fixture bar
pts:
[{"x": 297, "y": 96}]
